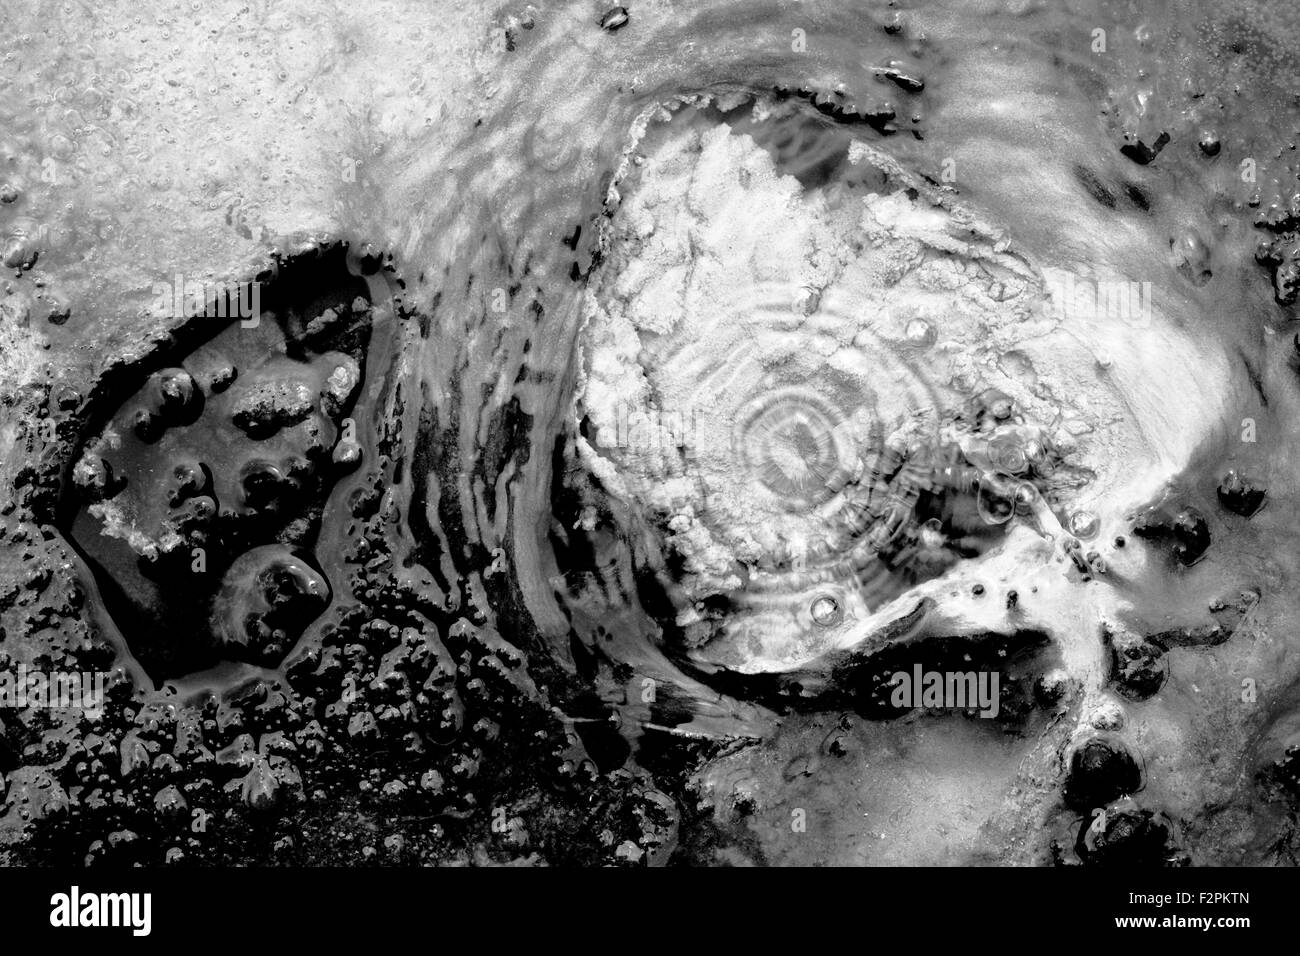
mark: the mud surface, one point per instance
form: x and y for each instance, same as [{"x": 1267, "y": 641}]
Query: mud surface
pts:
[{"x": 564, "y": 434}]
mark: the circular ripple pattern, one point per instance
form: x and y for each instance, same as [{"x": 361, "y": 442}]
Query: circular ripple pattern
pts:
[
  {"x": 842, "y": 482},
  {"x": 836, "y": 453},
  {"x": 793, "y": 441}
]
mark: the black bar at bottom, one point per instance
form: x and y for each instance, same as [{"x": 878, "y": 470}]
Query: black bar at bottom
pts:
[{"x": 296, "y": 906}]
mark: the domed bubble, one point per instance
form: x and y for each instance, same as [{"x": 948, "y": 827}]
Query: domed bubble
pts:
[
  {"x": 996, "y": 499},
  {"x": 1083, "y": 524},
  {"x": 826, "y": 611},
  {"x": 1007, "y": 455},
  {"x": 921, "y": 333}
]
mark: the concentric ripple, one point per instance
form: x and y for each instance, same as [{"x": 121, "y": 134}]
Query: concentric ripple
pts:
[
  {"x": 793, "y": 442},
  {"x": 768, "y": 377}
]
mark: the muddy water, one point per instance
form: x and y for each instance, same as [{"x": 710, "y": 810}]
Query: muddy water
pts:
[
  {"x": 1029, "y": 125},
  {"x": 496, "y": 226},
  {"x": 1022, "y": 116}
]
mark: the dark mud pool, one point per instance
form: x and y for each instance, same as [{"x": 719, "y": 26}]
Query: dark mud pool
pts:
[{"x": 754, "y": 432}]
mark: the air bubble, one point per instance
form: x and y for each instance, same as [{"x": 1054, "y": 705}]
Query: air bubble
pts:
[
  {"x": 995, "y": 500},
  {"x": 1083, "y": 524},
  {"x": 1026, "y": 497},
  {"x": 921, "y": 333},
  {"x": 1007, "y": 455},
  {"x": 826, "y": 611}
]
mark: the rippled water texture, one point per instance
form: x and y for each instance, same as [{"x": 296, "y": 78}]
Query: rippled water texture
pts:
[{"x": 641, "y": 400}]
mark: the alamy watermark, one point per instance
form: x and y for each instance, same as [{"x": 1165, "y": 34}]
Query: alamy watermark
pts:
[
  {"x": 184, "y": 298},
  {"x": 639, "y": 430},
  {"x": 75, "y": 909},
  {"x": 947, "y": 690},
  {"x": 81, "y": 690},
  {"x": 1123, "y": 300}
]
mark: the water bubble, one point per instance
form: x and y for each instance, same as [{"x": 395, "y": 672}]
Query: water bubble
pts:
[
  {"x": 1007, "y": 455},
  {"x": 921, "y": 333},
  {"x": 826, "y": 611},
  {"x": 1042, "y": 459},
  {"x": 806, "y": 301},
  {"x": 995, "y": 500},
  {"x": 1026, "y": 497},
  {"x": 1083, "y": 524}
]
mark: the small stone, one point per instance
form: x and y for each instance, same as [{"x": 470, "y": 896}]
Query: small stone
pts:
[
  {"x": 340, "y": 385},
  {"x": 910, "y": 82},
  {"x": 90, "y": 474},
  {"x": 67, "y": 398},
  {"x": 1051, "y": 687},
  {"x": 614, "y": 19},
  {"x": 169, "y": 802},
  {"x": 222, "y": 378},
  {"x": 260, "y": 789},
  {"x": 147, "y": 426},
  {"x": 1240, "y": 495},
  {"x": 1108, "y": 715},
  {"x": 362, "y": 726},
  {"x": 265, "y": 407},
  {"x": 1137, "y": 666},
  {"x": 629, "y": 852},
  {"x": 431, "y": 782},
  {"x": 346, "y": 454},
  {"x": 1193, "y": 533}
]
